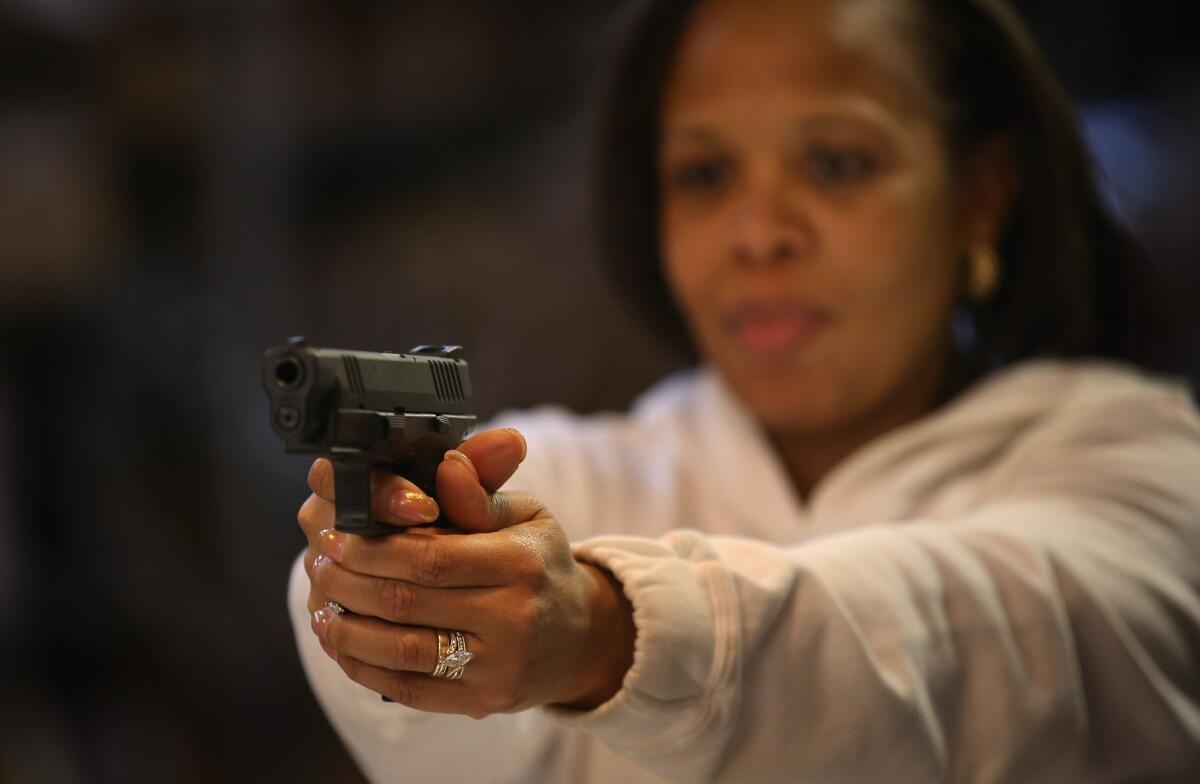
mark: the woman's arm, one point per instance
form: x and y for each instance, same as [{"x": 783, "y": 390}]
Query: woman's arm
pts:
[{"x": 1051, "y": 635}]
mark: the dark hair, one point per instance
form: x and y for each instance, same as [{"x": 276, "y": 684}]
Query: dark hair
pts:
[{"x": 1074, "y": 281}]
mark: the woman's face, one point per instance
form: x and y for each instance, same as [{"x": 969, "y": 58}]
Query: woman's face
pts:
[{"x": 808, "y": 217}]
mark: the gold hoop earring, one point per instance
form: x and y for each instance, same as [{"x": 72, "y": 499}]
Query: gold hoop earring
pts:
[{"x": 983, "y": 273}]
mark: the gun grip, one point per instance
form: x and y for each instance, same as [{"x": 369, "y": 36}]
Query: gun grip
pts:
[{"x": 352, "y": 491}]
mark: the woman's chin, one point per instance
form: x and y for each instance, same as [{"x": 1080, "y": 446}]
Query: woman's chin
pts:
[{"x": 798, "y": 402}]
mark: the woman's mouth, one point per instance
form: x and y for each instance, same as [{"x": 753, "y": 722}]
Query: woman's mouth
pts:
[{"x": 776, "y": 329}]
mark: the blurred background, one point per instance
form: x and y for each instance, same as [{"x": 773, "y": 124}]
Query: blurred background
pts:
[{"x": 184, "y": 183}]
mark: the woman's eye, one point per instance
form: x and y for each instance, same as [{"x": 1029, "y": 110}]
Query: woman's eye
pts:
[
  {"x": 700, "y": 175},
  {"x": 839, "y": 167}
]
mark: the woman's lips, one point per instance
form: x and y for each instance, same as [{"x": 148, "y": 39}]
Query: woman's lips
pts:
[{"x": 775, "y": 329}]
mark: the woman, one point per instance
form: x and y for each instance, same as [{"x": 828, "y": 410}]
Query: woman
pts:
[{"x": 917, "y": 517}]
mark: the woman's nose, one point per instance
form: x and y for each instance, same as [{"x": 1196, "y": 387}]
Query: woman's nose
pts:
[{"x": 769, "y": 230}]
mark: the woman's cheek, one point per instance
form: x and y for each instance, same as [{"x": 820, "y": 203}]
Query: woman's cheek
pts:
[{"x": 691, "y": 275}]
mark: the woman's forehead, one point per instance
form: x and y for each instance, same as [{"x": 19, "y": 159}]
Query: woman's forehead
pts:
[{"x": 793, "y": 51}]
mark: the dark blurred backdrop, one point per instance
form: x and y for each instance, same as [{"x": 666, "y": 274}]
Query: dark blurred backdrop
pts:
[{"x": 185, "y": 183}]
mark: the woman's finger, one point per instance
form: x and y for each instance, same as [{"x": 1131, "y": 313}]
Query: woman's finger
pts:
[
  {"x": 315, "y": 515},
  {"x": 466, "y": 503},
  {"x": 469, "y": 476},
  {"x": 495, "y": 455},
  {"x": 320, "y": 478},
  {"x": 416, "y": 690},
  {"x": 446, "y": 561},
  {"x": 387, "y": 645},
  {"x": 394, "y": 499},
  {"x": 398, "y": 601}
]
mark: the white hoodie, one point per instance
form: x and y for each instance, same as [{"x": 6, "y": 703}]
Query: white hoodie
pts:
[{"x": 1006, "y": 590}]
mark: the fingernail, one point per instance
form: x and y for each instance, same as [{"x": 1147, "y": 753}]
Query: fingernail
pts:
[
  {"x": 454, "y": 454},
  {"x": 319, "y": 563},
  {"x": 332, "y": 542},
  {"x": 524, "y": 444},
  {"x": 414, "y": 506},
  {"x": 320, "y": 619}
]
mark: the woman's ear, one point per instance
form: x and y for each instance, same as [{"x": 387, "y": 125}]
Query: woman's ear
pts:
[{"x": 993, "y": 182}]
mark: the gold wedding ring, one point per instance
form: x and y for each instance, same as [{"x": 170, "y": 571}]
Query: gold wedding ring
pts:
[{"x": 452, "y": 655}]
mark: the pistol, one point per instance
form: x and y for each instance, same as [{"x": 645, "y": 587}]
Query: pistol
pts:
[{"x": 365, "y": 410}]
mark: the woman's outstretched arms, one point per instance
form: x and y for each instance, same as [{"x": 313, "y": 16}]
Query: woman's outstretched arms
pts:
[{"x": 1042, "y": 628}]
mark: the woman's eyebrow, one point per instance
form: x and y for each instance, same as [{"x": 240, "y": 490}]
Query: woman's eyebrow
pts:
[
  {"x": 879, "y": 130},
  {"x": 859, "y": 113}
]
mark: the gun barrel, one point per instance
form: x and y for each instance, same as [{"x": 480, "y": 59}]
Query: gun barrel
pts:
[{"x": 288, "y": 372}]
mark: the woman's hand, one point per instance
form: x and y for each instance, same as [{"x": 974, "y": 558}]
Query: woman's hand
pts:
[
  {"x": 493, "y": 456},
  {"x": 542, "y": 627}
]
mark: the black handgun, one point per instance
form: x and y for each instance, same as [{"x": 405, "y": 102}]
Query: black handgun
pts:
[{"x": 365, "y": 410}]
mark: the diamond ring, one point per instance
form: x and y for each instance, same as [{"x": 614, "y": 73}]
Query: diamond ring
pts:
[{"x": 453, "y": 656}]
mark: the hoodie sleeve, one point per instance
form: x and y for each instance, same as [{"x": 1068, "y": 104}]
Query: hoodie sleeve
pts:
[{"x": 1050, "y": 634}]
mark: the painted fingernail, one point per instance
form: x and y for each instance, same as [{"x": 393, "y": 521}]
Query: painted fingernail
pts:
[
  {"x": 454, "y": 454},
  {"x": 524, "y": 443},
  {"x": 332, "y": 542},
  {"x": 319, "y": 563},
  {"x": 414, "y": 506},
  {"x": 320, "y": 620}
]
